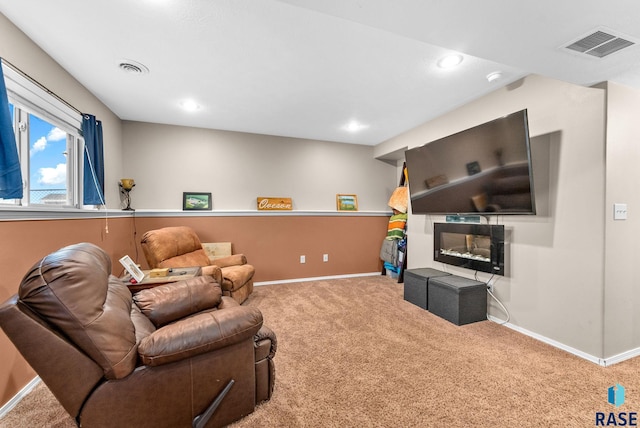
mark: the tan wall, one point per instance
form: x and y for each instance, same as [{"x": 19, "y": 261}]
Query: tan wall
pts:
[
  {"x": 25, "y": 242},
  {"x": 273, "y": 244}
]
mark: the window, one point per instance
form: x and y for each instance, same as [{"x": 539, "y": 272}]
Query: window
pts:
[{"x": 49, "y": 144}]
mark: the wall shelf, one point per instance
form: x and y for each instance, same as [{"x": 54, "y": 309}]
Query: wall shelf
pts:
[{"x": 23, "y": 213}]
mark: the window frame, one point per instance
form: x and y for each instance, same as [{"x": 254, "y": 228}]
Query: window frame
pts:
[{"x": 28, "y": 97}]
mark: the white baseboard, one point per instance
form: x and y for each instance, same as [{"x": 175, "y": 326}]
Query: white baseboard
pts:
[
  {"x": 604, "y": 362},
  {"x": 19, "y": 396},
  {"x": 317, "y": 278},
  {"x": 627, "y": 355},
  {"x": 551, "y": 342}
]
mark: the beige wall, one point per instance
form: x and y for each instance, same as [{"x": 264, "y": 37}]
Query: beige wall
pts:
[
  {"x": 622, "y": 294},
  {"x": 238, "y": 167},
  {"x": 555, "y": 272}
]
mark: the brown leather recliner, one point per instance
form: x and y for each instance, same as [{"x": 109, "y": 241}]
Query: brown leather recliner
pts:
[
  {"x": 178, "y": 355},
  {"x": 179, "y": 246}
]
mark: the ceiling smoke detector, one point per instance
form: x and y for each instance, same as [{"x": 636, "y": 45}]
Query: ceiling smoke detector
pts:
[
  {"x": 133, "y": 67},
  {"x": 600, "y": 43}
]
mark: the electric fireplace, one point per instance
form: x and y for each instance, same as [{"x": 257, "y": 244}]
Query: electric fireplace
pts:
[{"x": 478, "y": 247}]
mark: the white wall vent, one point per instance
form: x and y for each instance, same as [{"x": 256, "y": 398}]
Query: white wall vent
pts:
[{"x": 600, "y": 43}]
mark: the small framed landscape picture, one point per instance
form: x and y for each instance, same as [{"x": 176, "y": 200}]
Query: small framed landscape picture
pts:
[
  {"x": 196, "y": 201},
  {"x": 347, "y": 202}
]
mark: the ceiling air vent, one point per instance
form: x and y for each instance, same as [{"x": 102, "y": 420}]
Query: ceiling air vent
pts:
[
  {"x": 133, "y": 67},
  {"x": 600, "y": 44}
]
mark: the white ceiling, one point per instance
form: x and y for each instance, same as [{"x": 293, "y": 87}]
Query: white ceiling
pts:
[{"x": 305, "y": 68}]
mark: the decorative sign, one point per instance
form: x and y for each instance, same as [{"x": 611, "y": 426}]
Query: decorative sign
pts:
[{"x": 274, "y": 204}]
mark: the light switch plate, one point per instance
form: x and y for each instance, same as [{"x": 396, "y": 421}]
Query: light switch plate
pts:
[{"x": 619, "y": 211}]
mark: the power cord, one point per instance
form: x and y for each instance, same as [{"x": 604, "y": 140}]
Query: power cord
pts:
[
  {"x": 489, "y": 286},
  {"x": 135, "y": 236}
]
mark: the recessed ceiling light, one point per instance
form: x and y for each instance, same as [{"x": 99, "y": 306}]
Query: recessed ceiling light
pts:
[
  {"x": 355, "y": 126},
  {"x": 189, "y": 105},
  {"x": 492, "y": 77},
  {"x": 450, "y": 61}
]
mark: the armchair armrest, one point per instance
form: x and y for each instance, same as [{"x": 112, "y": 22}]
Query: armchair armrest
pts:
[
  {"x": 265, "y": 343},
  {"x": 199, "y": 334},
  {"x": 234, "y": 260},
  {"x": 213, "y": 271}
]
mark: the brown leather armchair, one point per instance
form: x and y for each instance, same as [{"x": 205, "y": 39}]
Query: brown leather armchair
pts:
[
  {"x": 179, "y": 246},
  {"x": 178, "y": 355}
]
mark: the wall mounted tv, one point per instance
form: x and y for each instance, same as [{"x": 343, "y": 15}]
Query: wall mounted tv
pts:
[{"x": 485, "y": 169}]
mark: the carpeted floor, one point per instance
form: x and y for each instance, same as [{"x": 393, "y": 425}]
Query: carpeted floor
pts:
[{"x": 353, "y": 353}]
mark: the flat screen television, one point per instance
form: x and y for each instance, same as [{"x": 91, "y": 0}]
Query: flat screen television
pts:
[{"x": 485, "y": 169}]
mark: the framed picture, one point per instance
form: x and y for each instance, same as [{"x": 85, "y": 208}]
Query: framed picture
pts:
[
  {"x": 347, "y": 202},
  {"x": 473, "y": 168},
  {"x": 196, "y": 201}
]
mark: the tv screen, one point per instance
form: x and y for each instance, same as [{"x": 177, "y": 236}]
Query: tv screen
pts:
[{"x": 485, "y": 169}]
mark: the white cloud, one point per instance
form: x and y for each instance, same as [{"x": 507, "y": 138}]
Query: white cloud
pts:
[
  {"x": 39, "y": 145},
  {"x": 56, "y": 134},
  {"x": 55, "y": 175}
]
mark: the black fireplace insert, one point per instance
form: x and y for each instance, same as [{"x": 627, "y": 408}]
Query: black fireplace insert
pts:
[{"x": 478, "y": 247}]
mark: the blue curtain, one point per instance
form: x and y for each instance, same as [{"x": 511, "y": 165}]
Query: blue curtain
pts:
[
  {"x": 93, "y": 180},
  {"x": 10, "y": 174}
]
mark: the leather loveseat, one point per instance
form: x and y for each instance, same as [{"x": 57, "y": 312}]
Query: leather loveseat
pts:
[{"x": 173, "y": 356}]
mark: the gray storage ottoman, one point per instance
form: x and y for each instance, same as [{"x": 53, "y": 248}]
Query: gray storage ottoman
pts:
[
  {"x": 416, "y": 282},
  {"x": 457, "y": 299}
]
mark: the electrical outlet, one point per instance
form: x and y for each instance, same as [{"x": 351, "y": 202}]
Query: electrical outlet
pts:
[
  {"x": 303, "y": 259},
  {"x": 325, "y": 257}
]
